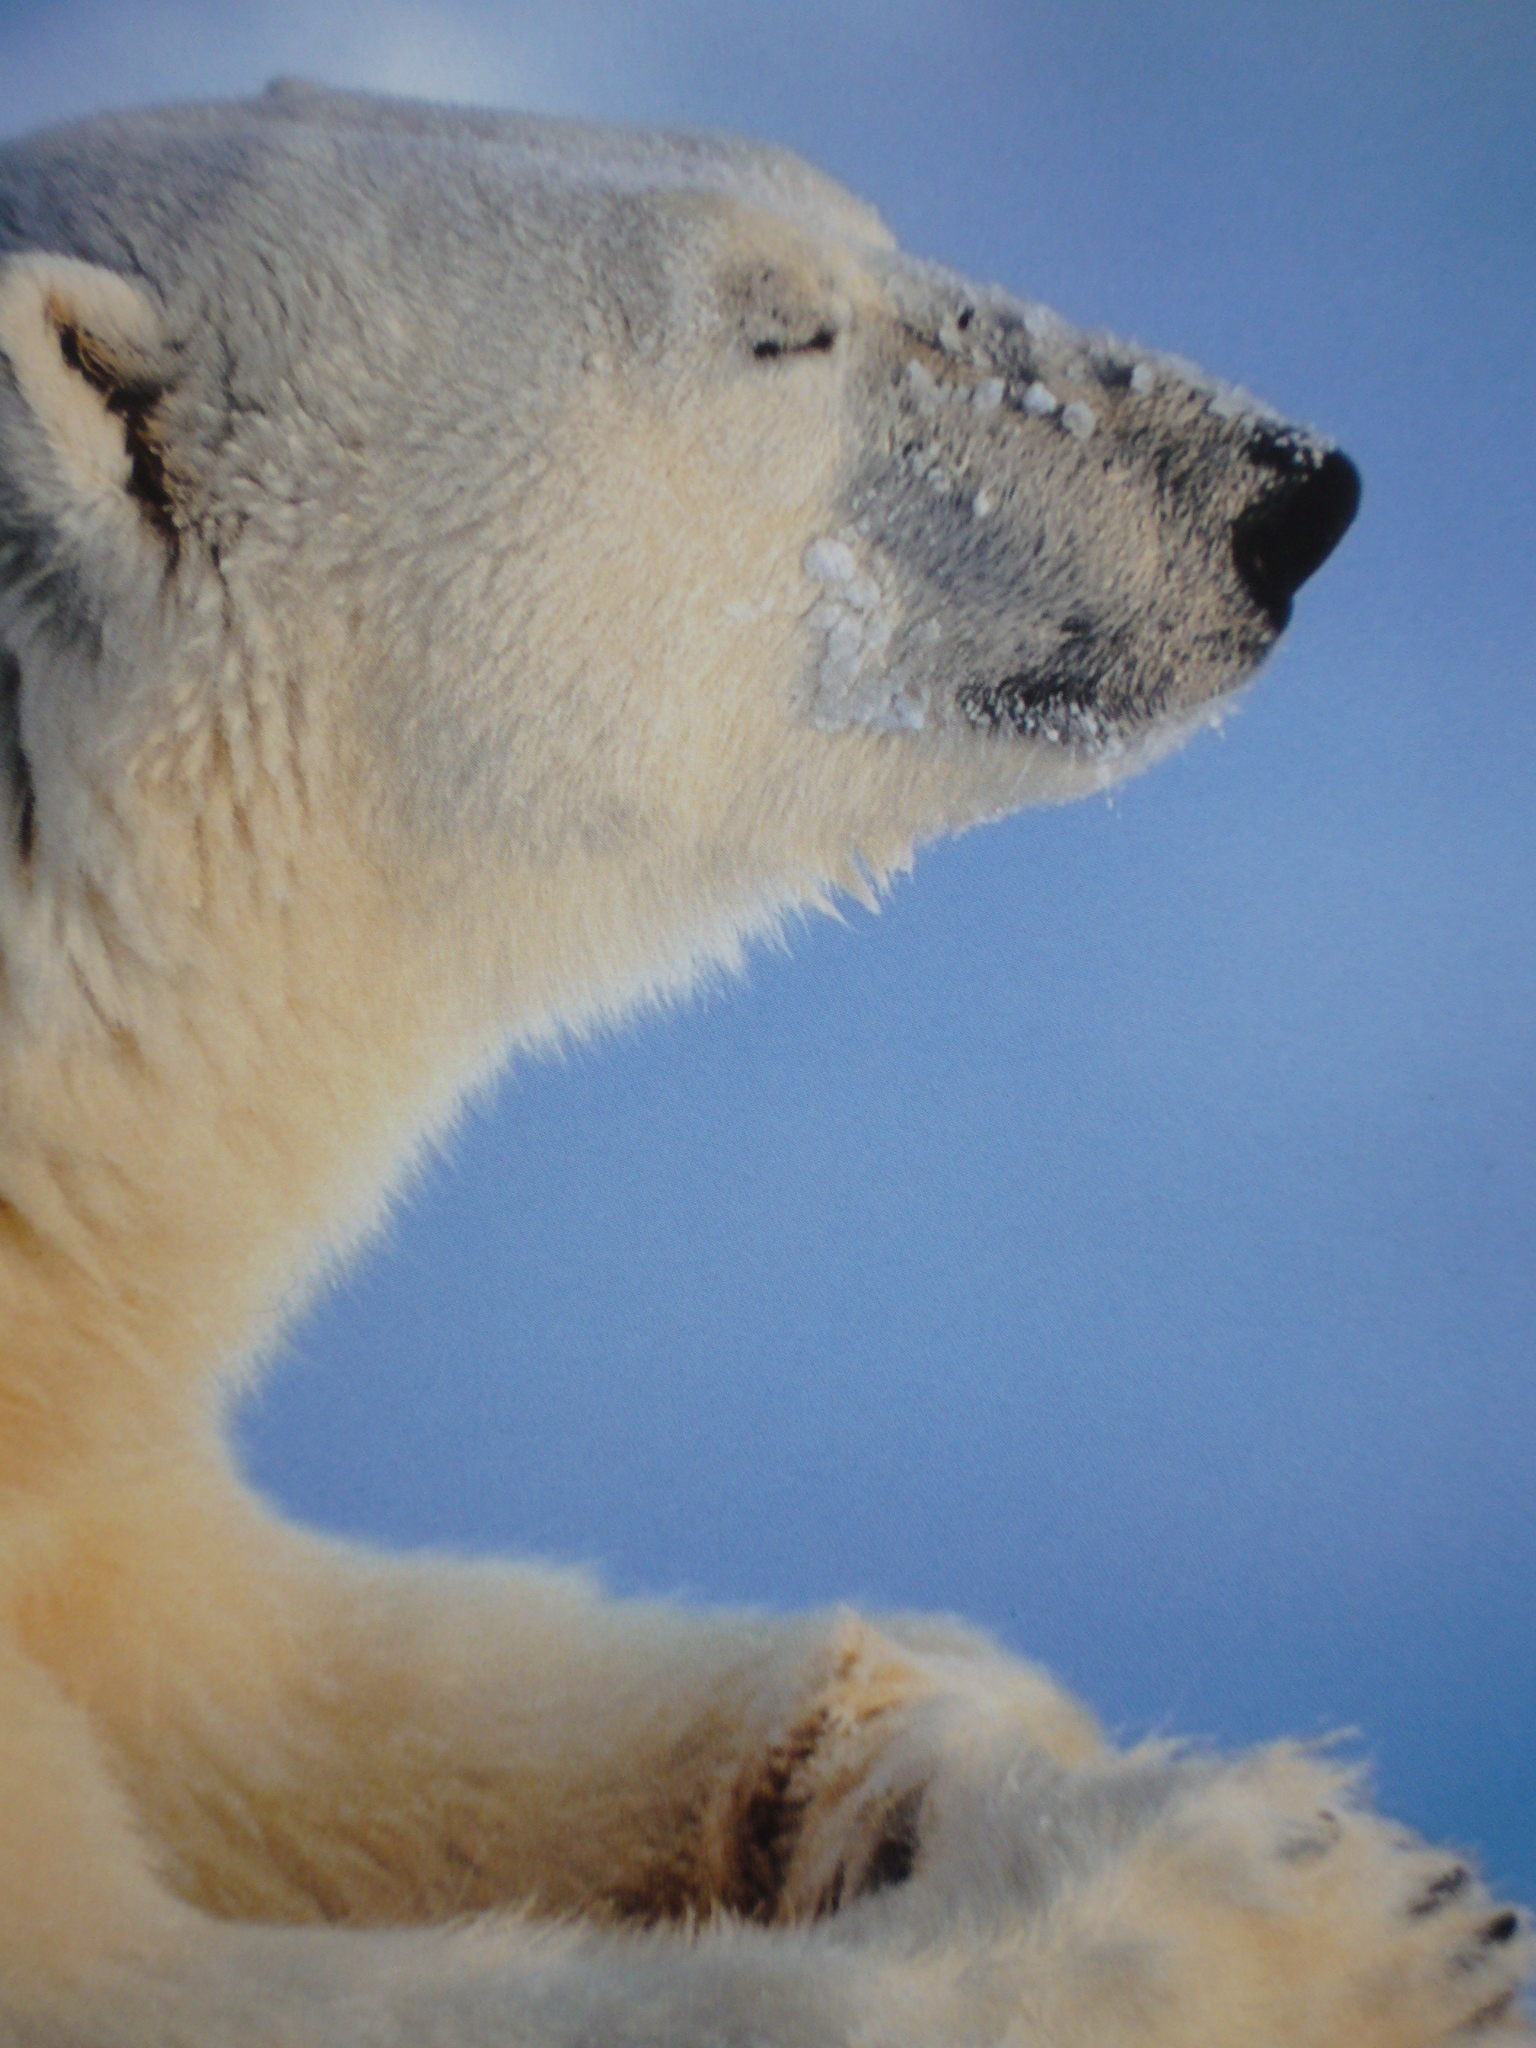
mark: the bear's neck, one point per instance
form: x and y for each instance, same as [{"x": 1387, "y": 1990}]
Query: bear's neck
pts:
[
  {"x": 175, "y": 1179},
  {"x": 207, "y": 1135}
]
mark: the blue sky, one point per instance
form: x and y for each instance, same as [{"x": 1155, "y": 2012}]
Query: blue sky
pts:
[{"x": 1126, "y": 1239}]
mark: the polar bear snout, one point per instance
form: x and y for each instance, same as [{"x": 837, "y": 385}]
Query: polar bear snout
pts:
[{"x": 1296, "y": 526}]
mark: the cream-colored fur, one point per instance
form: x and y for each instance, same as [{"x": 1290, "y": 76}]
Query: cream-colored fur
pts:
[{"x": 367, "y": 713}]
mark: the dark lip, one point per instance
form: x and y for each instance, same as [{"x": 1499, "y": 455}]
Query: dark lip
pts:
[
  {"x": 1042, "y": 704},
  {"x": 1060, "y": 699},
  {"x": 1065, "y": 703}
]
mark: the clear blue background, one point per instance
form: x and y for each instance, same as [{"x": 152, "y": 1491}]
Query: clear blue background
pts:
[{"x": 1126, "y": 1239}]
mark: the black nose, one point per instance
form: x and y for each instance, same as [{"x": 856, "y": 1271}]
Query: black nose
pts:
[{"x": 1294, "y": 530}]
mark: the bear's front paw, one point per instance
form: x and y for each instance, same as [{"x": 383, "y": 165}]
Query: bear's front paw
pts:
[
  {"x": 1153, "y": 1897},
  {"x": 1349, "y": 1926},
  {"x": 941, "y": 1800}
]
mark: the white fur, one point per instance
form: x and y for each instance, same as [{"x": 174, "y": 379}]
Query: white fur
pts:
[{"x": 458, "y": 578}]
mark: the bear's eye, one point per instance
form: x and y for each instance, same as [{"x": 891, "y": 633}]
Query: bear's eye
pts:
[
  {"x": 779, "y": 313},
  {"x": 771, "y": 346}
]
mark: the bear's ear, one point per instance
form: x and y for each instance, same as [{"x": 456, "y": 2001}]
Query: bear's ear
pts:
[{"x": 82, "y": 344}]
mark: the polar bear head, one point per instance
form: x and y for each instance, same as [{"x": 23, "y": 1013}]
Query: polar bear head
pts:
[{"x": 518, "y": 558}]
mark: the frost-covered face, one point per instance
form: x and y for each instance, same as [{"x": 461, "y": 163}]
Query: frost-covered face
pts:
[
  {"x": 903, "y": 508},
  {"x": 1051, "y": 539},
  {"x": 592, "y": 497}
]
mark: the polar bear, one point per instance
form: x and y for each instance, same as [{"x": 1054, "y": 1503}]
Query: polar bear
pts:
[{"x": 460, "y": 576}]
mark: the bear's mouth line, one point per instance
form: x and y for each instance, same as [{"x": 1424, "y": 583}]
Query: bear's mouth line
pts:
[
  {"x": 1104, "y": 704},
  {"x": 1037, "y": 711},
  {"x": 1063, "y": 702}
]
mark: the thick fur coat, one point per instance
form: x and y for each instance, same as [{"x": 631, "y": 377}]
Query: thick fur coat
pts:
[{"x": 459, "y": 577}]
